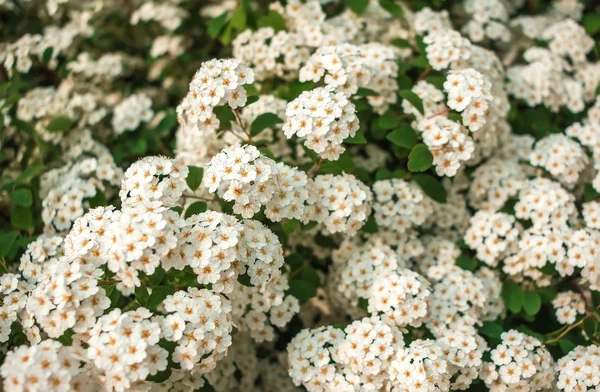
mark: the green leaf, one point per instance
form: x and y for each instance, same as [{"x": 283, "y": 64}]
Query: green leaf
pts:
[
  {"x": 359, "y": 138},
  {"x": 532, "y": 303},
  {"x": 194, "y": 178},
  {"x": 21, "y": 197},
  {"x": 21, "y": 218},
  {"x": 466, "y": 262},
  {"x": 141, "y": 294},
  {"x": 431, "y": 186},
  {"x": 414, "y": 99},
  {"x": 238, "y": 19},
  {"x": 290, "y": 225},
  {"x": 225, "y": 116},
  {"x": 158, "y": 295},
  {"x": 272, "y": 19},
  {"x": 7, "y": 239},
  {"x": 401, "y": 43},
  {"x": 420, "y": 158},
  {"x": 388, "y": 120},
  {"x": 60, "y": 124},
  {"x": 357, "y": 6},
  {"x": 589, "y": 193},
  {"x": 491, "y": 329},
  {"x": 157, "y": 276},
  {"x": 47, "y": 55},
  {"x": 591, "y": 23},
  {"x": 370, "y": 225},
  {"x": 309, "y": 274},
  {"x": 566, "y": 345},
  {"x": 98, "y": 200},
  {"x": 391, "y": 7},
  {"x": 513, "y": 296},
  {"x": 589, "y": 327},
  {"x": 302, "y": 289},
  {"x": 195, "y": 208},
  {"x": 404, "y": 137},
  {"x": 343, "y": 164},
  {"x": 216, "y": 25},
  {"x": 264, "y": 121},
  {"x": 366, "y": 92}
]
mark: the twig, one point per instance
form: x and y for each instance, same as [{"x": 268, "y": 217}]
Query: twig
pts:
[
  {"x": 570, "y": 328},
  {"x": 446, "y": 111},
  {"x": 425, "y": 73},
  {"x": 241, "y": 124},
  {"x": 315, "y": 167},
  {"x": 197, "y": 197},
  {"x": 579, "y": 289}
]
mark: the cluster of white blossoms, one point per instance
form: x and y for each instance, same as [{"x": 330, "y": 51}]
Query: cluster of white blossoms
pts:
[
  {"x": 458, "y": 300},
  {"x": 323, "y": 119},
  {"x": 200, "y": 323},
  {"x": 445, "y": 47},
  {"x": 469, "y": 93},
  {"x": 489, "y": 20},
  {"x": 167, "y": 15},
  {"x": 216, "y": 83},
  {"x": 58, "y": 368},
  {"x": 346, "y": 68},
  {"x": 243, "y": 175},
  {"x": 341, "y": 204},
  {"x": 131, "y": 112},
  {"x": 400, "y": 205},
  {"x": 384, "y": 269},
  {"x": 89, "y": 169},
  {"x": 270, "y": 53},
  {"x": 545, "y": 80},
  {"x": 492, "y": 235},
  {"x": 421, "y": 366},
  {"x": 519, "y": 361},
  {"x": 561, "y": 156},
  {"x": 568, "y": 305},
  {"x": 576, "y": 370}
]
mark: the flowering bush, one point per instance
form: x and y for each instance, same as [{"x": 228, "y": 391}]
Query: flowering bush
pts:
[{"x": 318, "y": 195}]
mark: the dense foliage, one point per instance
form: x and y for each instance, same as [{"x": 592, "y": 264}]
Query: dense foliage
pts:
[{"x": 333, "y": 195}]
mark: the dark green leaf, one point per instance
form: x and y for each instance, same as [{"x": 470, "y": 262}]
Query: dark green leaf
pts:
[
  {"x": 194, "y": 178},
  {"x": 391, "y": 7},
  {"x": 420, "y": 158},
  {"x": 310, "y": 275},
  {"x": 491, "y": 329},
  {"x": 365, "y": 92},
  {"x": 216, "y": 25},
  {"x": 302, "y": 289},
  {"x": 404, "y": 137},
  {"x": 47, "y": 55},
  {"x": 272, "y": 19},
  {"x": 431, "y": 186},
  {"x": 589, "y": 327},
  {"x": 21, "y": 218},
  {"x": 566, "y": 345},
  {"x": 401, "y": 43},
  {"x": 589, "y": 193},
  {"x": 466, "y": 262},
  {"x": 513, "y": 296},
  {"x": 60, "y": 124},
  {"x": 359, "y": 138},
  {"x": 195, "y": 208},
  {"x": 388, "y": 120},
  {"x": 141, "y": 294},
  {"x": 98, "y": 200},
  {"x": 357, "y": 6},
  {"x": 158, "y": 295},
  {"x": 343, "y": 164},
  {"x": 413, "y": 99},
  {"x": 238, "y": 19},
  {"x": 7, "y": 239},
  {"x": 532, "y": 303},
  {"x": 21, "y": 197},
  {"x": 290, "y": 225},
  {"x": 157, "y": 276},
  {"x": 591, "y": 23},
  {"x": 264, "y": 121}
]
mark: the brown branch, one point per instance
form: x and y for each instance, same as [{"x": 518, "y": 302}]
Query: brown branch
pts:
[
  {"x": 443, "y": 112},
  {"x": 315, "y": 167},
  {"x": 425, "y": 73},
  {"x": 241, "y": 124}
]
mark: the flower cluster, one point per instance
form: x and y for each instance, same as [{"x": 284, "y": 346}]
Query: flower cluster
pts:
[
  {"x": 216, "y": 83},
  {"x": 469, "y": 93},
  {"x": 323, "y": 119},
  {"x": 520, "y": 360},
  {"x": 561, "y": 156},
  {"x": 575, "y": 370},
  {"x": 131, "y": 112}
]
